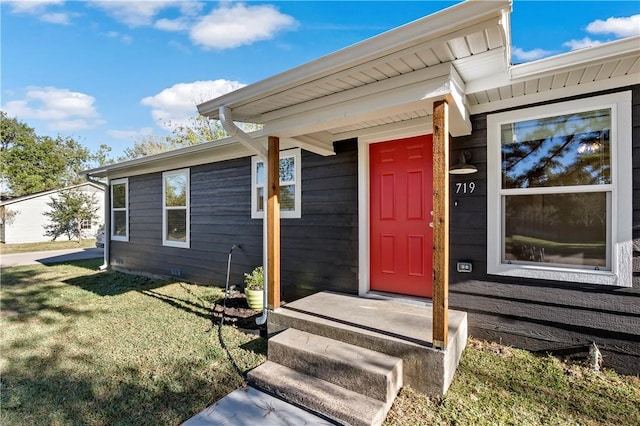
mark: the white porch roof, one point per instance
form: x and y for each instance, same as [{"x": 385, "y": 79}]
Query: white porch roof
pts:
[{"x": 386, "y": 81}]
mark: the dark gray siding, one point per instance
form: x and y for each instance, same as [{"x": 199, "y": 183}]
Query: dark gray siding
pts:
[
  {"x": 539, "y": 315},
  {"x": 319, "y": 250}
]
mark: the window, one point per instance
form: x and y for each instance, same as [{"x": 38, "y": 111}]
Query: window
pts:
[
  {"x": 85, "y": 224},
  {"x": 175, "y": 212},
  {"x": 290, "y": 201},
  {"x": 559, "y": 190},
  {"x": 120, "y": 209}
]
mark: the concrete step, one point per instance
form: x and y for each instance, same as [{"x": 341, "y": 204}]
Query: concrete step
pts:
[
  {"x": 335, "y": 402},
  {"x": 358, "y": 369},
  {"x": 398, "y": 329}
]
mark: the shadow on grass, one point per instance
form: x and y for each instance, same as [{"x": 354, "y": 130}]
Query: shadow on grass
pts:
[
  {"x": 44, "y": 392},
  {"x": 178, "y": 303},
  {"x": 33, "y": 288},
  {"x": 112, "y": 283}
]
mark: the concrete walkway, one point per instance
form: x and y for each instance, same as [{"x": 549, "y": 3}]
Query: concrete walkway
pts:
[
  {"x": 251, "y": 407},
  {"x": 50, "y": 256}
]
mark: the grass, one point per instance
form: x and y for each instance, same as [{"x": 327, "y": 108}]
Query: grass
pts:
[
  {"x": 97, "y": 348},
  {"x": 82, "y": 347},
  {"x": 498, "y": 385},
  {"x": 45, "y": 246}
]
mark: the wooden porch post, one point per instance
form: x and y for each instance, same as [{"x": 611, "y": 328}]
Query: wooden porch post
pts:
[
  {"x": 273, "y": 224},
  {"x": 440, "y": 224}
]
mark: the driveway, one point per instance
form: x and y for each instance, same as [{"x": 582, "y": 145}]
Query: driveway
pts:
[{"x": 50, "y": 256}]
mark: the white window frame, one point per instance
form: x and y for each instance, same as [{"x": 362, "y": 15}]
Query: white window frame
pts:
[
  {"x": 296, "y": 213},
  {"x": 165, "y": 208},
  {"x": 115, "y": 182},
  {"x": 619, "y": 224}
]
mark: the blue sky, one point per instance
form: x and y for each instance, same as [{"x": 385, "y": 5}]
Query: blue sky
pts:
[{"x": 114, "y": 71}]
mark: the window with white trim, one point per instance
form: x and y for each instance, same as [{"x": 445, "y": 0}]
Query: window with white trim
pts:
[
  {"x": 559, "y": 191},
  {"x": 175, "y": 211},
  {"x": 120, "y": 209},
  {"x": 290, "y": 191}
]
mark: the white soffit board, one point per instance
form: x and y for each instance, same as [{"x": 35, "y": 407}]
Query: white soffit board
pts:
[{"x": 607, "y": 66}]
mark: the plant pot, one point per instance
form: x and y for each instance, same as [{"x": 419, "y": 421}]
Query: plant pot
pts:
[{"x": 254, "y": 298}]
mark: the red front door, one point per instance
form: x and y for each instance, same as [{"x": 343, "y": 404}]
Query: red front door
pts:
[{"x": 401, "y": 180}]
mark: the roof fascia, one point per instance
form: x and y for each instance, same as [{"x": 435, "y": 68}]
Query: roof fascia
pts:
[
  {"x": 49, "y": 192},
  {"x": 575, "y": 59},
  {"x": 440, "y": 24},
  {"x": 207, "y": 150}
]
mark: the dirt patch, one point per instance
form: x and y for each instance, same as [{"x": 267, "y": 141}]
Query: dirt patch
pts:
[{"x": 236, "y": 312}]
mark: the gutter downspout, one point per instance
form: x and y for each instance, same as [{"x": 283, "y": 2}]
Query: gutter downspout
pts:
[
  {"x": 107, "y": 219},
  {"x": 224, "y": 114}
]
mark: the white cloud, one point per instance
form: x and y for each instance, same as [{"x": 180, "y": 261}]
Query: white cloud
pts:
[
  {"x": 620, "y": 27},
  {"x": 56, "y": 18},
  {"x": 130, "y": 134},
  {"x": 125, "y": 38},
  {"x": 236, "y": 25},
  {"x": 529, "y": 55},
  {"x": 142, "y": 13},
  {"x": 177, "y": 104},
  {"x": 33, "y": 7},
  {"x": 61, "y": 109},
  {"x": 41, "y": 9},
  {"x": 179, "y": 24},
  {"x": 581, "y": 44}
]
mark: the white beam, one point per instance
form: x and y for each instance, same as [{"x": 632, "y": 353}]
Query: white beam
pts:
[{"x": 398, "y": 95}]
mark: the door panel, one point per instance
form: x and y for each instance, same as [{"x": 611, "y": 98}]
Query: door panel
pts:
[{"x": 401, "y": 202}]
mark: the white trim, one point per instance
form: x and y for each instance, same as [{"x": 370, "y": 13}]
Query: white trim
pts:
[
  {"x": 114, "y": 182},
  {"x": 364, "y": 281},
  {"x": 187, "y": 207},
  {"x": 296, "y": 213},
  {"x": 620, "y": 189}
]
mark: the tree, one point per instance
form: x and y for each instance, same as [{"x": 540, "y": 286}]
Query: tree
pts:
[
  {"x": 30, "y": 163},
  {"x": 68, "y": 212},
  {"x": 198, "y": 130}
]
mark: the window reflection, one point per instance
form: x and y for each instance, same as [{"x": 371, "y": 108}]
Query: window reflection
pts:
[
  {"x": 565, "y": 229},
  {"x": 567, "y": 150}
]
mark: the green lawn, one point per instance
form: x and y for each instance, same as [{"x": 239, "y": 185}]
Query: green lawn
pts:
[
  {"x": 82, "y": 347},
  {"x": 44, "y": 246},
  {"x": 101, "y": 348}
]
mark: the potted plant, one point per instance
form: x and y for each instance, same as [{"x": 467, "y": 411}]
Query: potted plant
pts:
[{"x": 254, "y": 286}]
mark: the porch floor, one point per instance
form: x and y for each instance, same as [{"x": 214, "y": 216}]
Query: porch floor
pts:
[{"x": 396, "y": 328}]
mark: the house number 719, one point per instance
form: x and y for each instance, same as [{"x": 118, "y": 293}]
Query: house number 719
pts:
[{"x": 465, "y": 187}]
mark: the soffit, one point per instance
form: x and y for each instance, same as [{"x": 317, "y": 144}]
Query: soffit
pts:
[{"x": 603, "y": 67}]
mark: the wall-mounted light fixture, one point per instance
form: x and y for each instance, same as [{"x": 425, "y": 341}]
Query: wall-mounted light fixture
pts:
[{"x": 463, "y": 168}]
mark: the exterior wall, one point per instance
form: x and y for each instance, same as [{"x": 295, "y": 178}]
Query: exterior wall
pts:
[
  {"x": 545, "y": 316},
  {"x": 28, "y": 224},
  {"x": 319, "y": 250}
]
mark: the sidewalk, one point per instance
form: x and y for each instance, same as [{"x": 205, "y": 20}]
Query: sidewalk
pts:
[
  {"x": 251, "y": 407},
  {"x": 50, "y": 256}
]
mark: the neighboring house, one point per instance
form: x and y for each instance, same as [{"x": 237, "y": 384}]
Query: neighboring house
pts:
[
  {"x": 23, "y": 219},
  {"x": 543, "y": 241}
]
